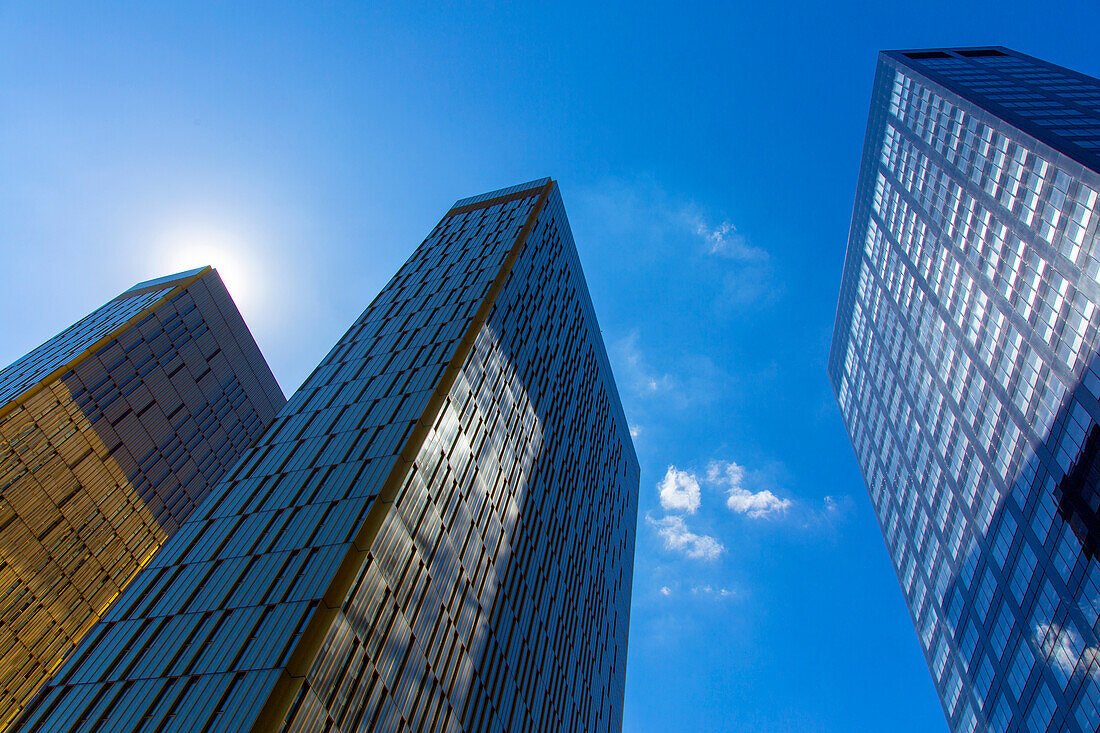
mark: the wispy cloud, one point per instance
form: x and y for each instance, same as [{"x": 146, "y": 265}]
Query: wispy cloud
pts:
[
  {"x": 748, "y": 278},
  {"x": 833, "y": 506},
  {"x": 658, "y": 222},
  {"x": 832, "y": 511},
  {"x": 640, "y": 376},
  {"x": 730, "y": 476},
  {"x": 702, "y": 590},
  {"x": 725, "y": 241},
  {"x": 711, "y": 591},
  {"x": 678, "y": 538},
  {"x": 752, "y": 285},
  {"x": 679, "y": 491},
  {"x": 668, "y": 379}
]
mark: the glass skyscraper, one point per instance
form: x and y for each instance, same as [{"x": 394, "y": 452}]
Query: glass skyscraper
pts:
[
  {"x": 110, "y": 434},
  {"x": 436, "y": 532},
  {"x": 965, "y": 364}
]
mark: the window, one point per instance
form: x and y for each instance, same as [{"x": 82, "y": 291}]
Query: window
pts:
[
  {"x": 928, "y": 55},
  {"x": 981, "y": 52}
]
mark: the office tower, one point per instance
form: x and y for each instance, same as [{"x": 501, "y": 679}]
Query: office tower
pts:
[
  {"x": 964, "y": 362},
  {"x": 436, "y": 533},
  {"x": 110, "y": 434}
]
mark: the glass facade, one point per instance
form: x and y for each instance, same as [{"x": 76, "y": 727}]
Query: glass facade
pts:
[
  {"x": 110, "y": 434},
  {"x": 964, "y": 362},
  {"x": 437, "y": 532}
]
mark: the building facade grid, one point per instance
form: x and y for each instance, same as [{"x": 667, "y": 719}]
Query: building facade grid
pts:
[
  {"x": 240, "y": 620},
  {"x": 115, "y": 430},
  {"x": 513, "y": 520},
  {"x": 964, "y": 363}
]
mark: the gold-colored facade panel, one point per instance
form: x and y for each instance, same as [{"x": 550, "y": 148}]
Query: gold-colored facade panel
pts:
[
  {"x": 111, "y": 433},
  {"x": 338, "y": 579},
  {"x": 73, "y": 533}
]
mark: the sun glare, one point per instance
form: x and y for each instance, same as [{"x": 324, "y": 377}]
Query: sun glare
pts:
[{"x": 240, "y": 269}]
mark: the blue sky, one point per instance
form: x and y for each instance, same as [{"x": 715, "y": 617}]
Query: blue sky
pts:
[{"x": 707, "y": 157}]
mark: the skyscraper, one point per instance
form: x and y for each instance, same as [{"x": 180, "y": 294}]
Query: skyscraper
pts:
[
  {"x": 110, "y": 434},
  {"x": 436, "y": 533},
  {"x": 964, "y": 360}
]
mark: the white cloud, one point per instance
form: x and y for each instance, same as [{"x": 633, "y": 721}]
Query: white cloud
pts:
[
  {"x": 761, "y": 504},
  {"x": 725, "y": 240},
  {"x": 665, "y": 590},
  {"x": 758, "y": 505},
  {"x": 679, "y": 491},
  {"x": 678, "y": 538},
  {"x": 635, "y": 431},
  {"x": 725, "y": 473},
  {"x": 709, "y": 590}
]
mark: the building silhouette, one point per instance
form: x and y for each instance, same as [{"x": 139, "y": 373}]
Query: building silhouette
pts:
[
  {"x": 110, "y": 434},
  {"x": 436, "y": 533},
  {"x": 964, "y": 363}
]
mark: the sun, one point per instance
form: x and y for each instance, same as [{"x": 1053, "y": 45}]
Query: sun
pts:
[{"x": 185, "y": 247}]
